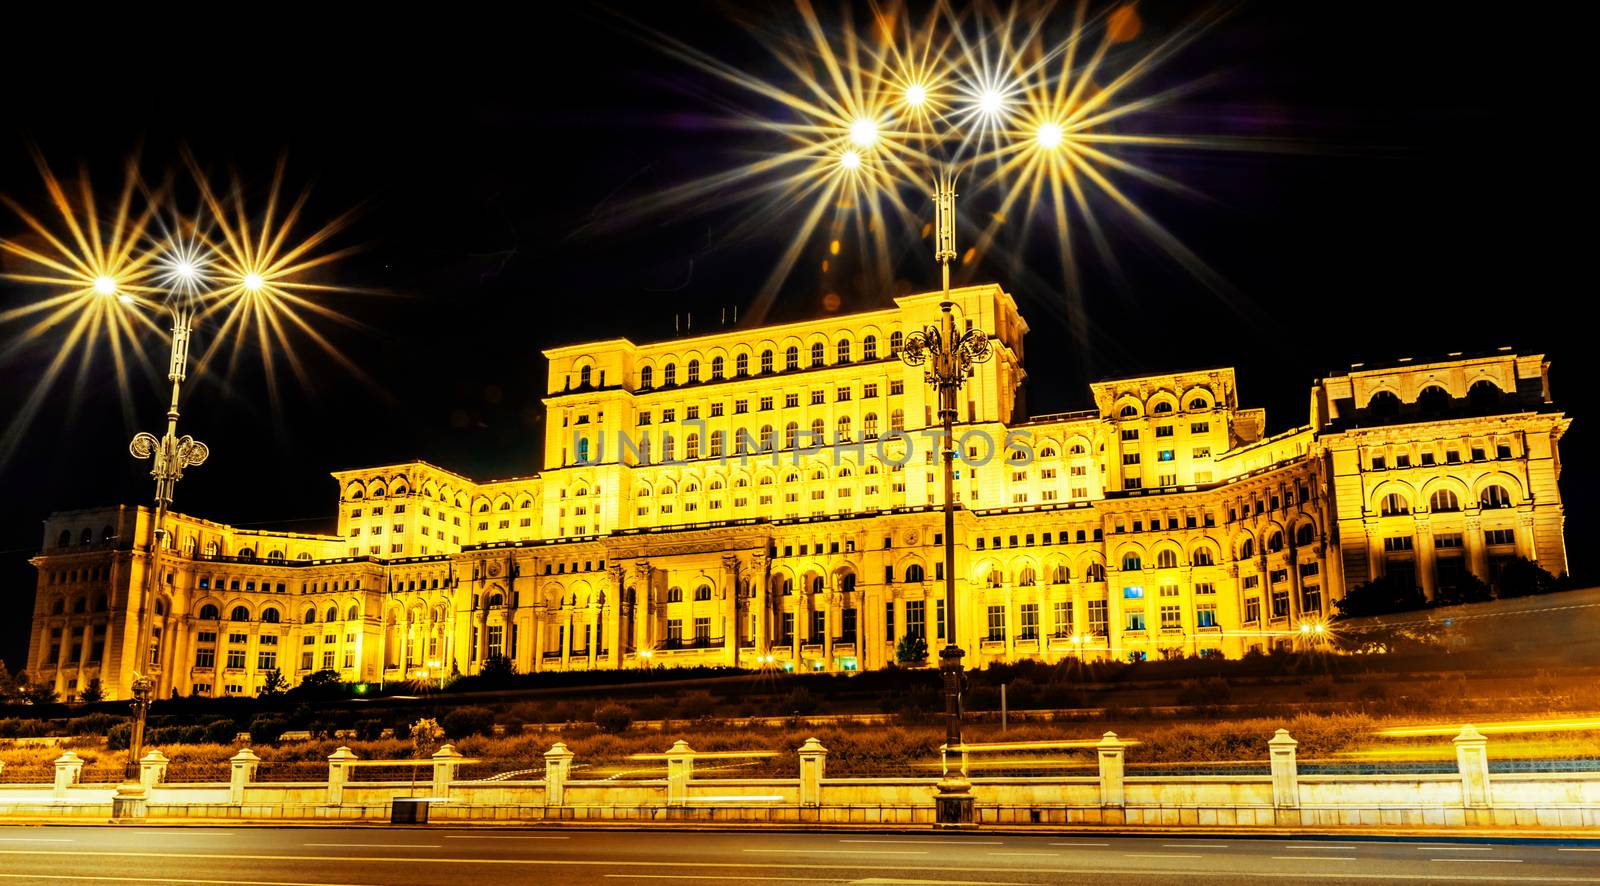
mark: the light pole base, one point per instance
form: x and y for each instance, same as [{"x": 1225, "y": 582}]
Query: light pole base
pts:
[
  {"x": 129, "y": 801},
  {"x": 953, "y": 806}
]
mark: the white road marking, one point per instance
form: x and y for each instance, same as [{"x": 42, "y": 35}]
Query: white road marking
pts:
[
  {"x": 1482, "y": 860},
  {"x": 1455, "y": 849},
  {"x": 1320, "y": 846},
  {"x": 35, "y": 840},
  {"x": 839, "y": 851},
  {"x": 1578, "y": 848},
  {"x": 1080, "y": 844},
  {"x": 1313, "y": 858},
  {"x": 1158, "y": 855},
  {"x": 888, "y": 881},
  {"x": 933, "y": 842},
  {"x": 90, "y": 878},
  {"x": 375, "y": 845},
  {"x": 184, "y": 834},
  {"x": 499, "y": 837},
  {"x": 1027, "y": 854},
  {"x": 1195, "y": 845}
]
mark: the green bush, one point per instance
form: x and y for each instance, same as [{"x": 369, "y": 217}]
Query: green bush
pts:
[
  {"x": 799, "y": 701},
  {"x": 118, "y": 736},
  {"x": 93, "y": 724},
  {"x": 613, "y": 718},
  {"x": 369, "y": 730},
  {"x": 268, "y": 730},
  {"x": 471, "y": 720}
]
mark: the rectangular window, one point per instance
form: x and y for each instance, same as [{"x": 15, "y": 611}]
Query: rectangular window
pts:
[
  {"x": 1397, "y": 543},
  {"x": 1062, "y": 618},
  {"x": 1252, "y": 610},
  {"x": 1205, "y": 615},
  {"x": 847, "y": 625},
  {"x": 702, "y": 629},
  {"x": 496, "y": 640},
  {"x": 327, "y": 659},
  {"x": 1204, "y": 588},
  {"x": 1171, "y": 618},
  {"x": 236, "y": 658},
  {"x": 1133, "y": 592},
  {"x": 1199, "y": 427},
  {"x": 786, "y": 632},
  {"x": 1447, "y": 540},
  {"x": 1499, "y": 537},
  {"x": 888, "y": 620},
  {"x": 205, "y": 657},
  {"x": 1280, "y": 603},
  {"x": 1130, "y": 433},
  {"x": 819, "y": 625},
  {"x": 1166, "y": 455},
  {"x": 1311, "y": 599},
  {"x": 997, "y": 622},
  {"x": 674, "y": 631},
  {"x": 266, "y": 659},
  {"x": 1097, "y": 618},
  {"x": 1169, "y": 590},
  {"x": 1028, "y": 615},
  {"x": 938, "y": 617},
  {"x": 897, "y": 387},
  {"x": 1164, "y": 431},
  {"x": 1136, "y": 621},
  {"x": 916, "y": 618}
]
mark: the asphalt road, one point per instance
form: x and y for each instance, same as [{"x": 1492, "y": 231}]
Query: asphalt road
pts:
[{"x": 363, "y": 856}]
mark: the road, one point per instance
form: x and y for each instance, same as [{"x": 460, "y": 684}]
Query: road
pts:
[{"x": 362, "y": 856}]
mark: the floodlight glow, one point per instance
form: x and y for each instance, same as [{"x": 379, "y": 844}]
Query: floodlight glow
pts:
[
  {"x": 253, "y": 282},
  {"x": 916, "y": 95},
  {"x": 1049, "y": 136},
  {"x": 990, "y": 101},
  {"x": 850, "y": 160},
  {"x": 105, "y": 285},
  {"x": 864, "y": 132}
]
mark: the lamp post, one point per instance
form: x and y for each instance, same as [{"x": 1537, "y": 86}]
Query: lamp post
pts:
[
  {"x": 169, "y": 455},
  {"x": 948, "y": 352}
]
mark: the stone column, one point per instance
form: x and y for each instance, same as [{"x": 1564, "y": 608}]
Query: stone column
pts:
[
  {"x": 446, "y": 761},
  {"x": 539, "y": 629},
  {"x": 1111, "y": 750},
  {"x": 338, "y": 773},
  {"x": 642, "y": 611},
  {"x": 68, "y": 766},
  {"x": 557, "y": 765},
  {"x": 1472, "y": 760},
  {"x": 152, "y": 768},
  {"x": 1477, "y": 556},
  {"x": 1423, "y": 556},
  {"x": 614, "y": 619},
  {"x": 680, "y": 768},
  {"x": 730, "y": 610},
  {"x": 243, "y": 771},
  {"x": 813, "y": 760},
  {"x": 758, "y": 602},
  {"x": 1285, "y": 771}
]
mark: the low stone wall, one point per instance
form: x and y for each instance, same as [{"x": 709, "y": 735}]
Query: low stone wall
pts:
[{"x": 1471, "y": 797}]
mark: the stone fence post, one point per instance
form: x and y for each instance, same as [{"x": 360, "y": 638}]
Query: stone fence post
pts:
[
  {"x": 445, "y": 766},
  {"x": 338, "y": 774},
  {"x": 557, "y": 765},
  {"x": 1111, "y": 751},
  {"x": 1285, "y": 771},
  {"x": 1472, "y": 759},
  {"x": 813, "y": 761},
  {"x": 68, "y": 766},
  {"x": 242, "y": 773},
  {"x": 680, "y": 768},
  {"x": 152, "y": 768}
]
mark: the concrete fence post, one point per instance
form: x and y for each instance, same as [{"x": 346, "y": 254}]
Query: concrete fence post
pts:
[
  {"x": 68, "y": 766},
  {"x": 1111, "y": 751},
  {"x": 338, "y": 774},
  {"x": 557, "y": 766},
  {"x": 1285, "y": 771},
  {"x": 813, "y": 761},
  {"x": 445, "y": 766},
  {"x": 243, "y": 771},
  {"x": 1472, "y": 759},
  {"x": 152, "y": 768},
  {"x": 680, "y": 768}
]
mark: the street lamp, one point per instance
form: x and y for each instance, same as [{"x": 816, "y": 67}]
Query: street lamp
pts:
[
  {"x": 949, "y": 353},
  {"x": 169, "y": 455}
]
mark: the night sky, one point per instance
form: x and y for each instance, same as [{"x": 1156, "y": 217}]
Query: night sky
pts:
[{"x": 1418, "y": 201}]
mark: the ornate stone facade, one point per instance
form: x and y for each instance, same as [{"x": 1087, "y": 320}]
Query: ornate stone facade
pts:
[{"x": 684, "y": 510}]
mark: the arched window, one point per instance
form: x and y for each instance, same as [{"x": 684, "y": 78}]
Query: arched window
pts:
[
  {"x": 1129, "y": 411},
  {"x": 847, "y": 583},
  {"x": 189, "y": 544},
  {"x": 768, "y": 433},
  {"x": 1247, "y": 548},
  {"x": 310, "y": 616},
  {"x": 270, "y": 616},
  {"x": 247, "y": 553},
  {"x": 331, "y": 615},
  {"x": 275, "y": 556},
  {"x": 1202, "y": 557},
  {"x": 1167, "y": 559},
  {"x": 703, "y": 592},
  {"x": 353, "y": 613},
  {"x": 1484, "y": 395},
  {"x": 844, "y": 429},
  {"x": 1434, "y": 400},
  {"x": 1275, "y": 542},
  {"x": 1444, "y": 500},
  {"x": 691, "y": 446},
  {"x": 1384, "y": 404},
  {"x": 647, "y": 377},
  {"x": 213, "y": 549},
  {"x": 694, "y": 371},
  {"x": 1494, "y": 496},
  {"x": 585, "y": 376},
  {"x": 1026, "y": 578},
  {"x": 791, "y": 358},
  {"x": 65, "y": 539},
  {"x": 914, "y": 573},
  {"x": 766, "y": 361},
  {"x": 1199, "y": 404},
  {"x": 1095, "y": 572},
  {"x": 716, "y": 444},
  {"x": 1131, "y": 563},
  {"x": 716, "y": 367},
  {"x": 209, "y": 612},
  {"x": 816, "y": 353},
  {"x": 869, "y": 348},
  {"x": 1061, "y": 574},
  {"x": 669, "y": 374},
  {"x": 1394, "y": 505},
  {"x": 496, "y": 600},
  {"x": 674, "y": 595},
  {"x": 869, "y": 426},
  {"x": 843, "y": 350},
  {"x": 897, "y": 340},
  {"x": 791, "y": 434},
  {"x": 741, "y": 365},
  {"x": 1162, "y": 408},
  {"x": 897, "y": 420},
  {"x": 818, "y": 432},
  {"x": 87, "y": 537},
  {"x": 59, "y": 607},
  {"x": 239, "y": 613}
]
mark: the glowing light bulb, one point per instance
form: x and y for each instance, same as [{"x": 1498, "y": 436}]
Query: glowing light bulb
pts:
[
  {"x": 105, "y": 286},
  {"x": 850, "y": 160},
  {"x": 253, "y": 282},
  {"x": 184, "y": 269},
  {"x": 1049, "y": 135},
  {"x": 916, "y": 95},
  {"x": 864, "y": 132}
]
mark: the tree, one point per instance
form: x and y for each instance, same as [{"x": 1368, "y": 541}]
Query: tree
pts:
[
  {"x": 613, "y": 718},
  {"x": 8, "y": 684},
  {"x": 1382, "y": 595},
  {"x": 426, "y": 734},
  {"x": 325, "y": 683},
  {"x": 497, "y": 669},
  {"x": 1465, "y": 588},
  {"x": 912, "y": 647},
  {"x": 273, "y": 685},
  {"x": 92, "y": 692},
  {"x": 1521, "y": 577}
]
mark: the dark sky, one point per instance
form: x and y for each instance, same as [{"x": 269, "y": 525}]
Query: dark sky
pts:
[{"x": 1425, "y": 208}]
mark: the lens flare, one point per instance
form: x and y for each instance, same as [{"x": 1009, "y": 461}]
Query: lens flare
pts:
[
  {"x": 1049, "y": 135},
  {"x": 850, "y": 160},
  {"x": 916, "y": 95},
  {"x": 864, "y": 132}
]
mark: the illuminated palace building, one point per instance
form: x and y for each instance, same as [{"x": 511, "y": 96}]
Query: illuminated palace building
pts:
[{"x": 661, "y": 531}]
